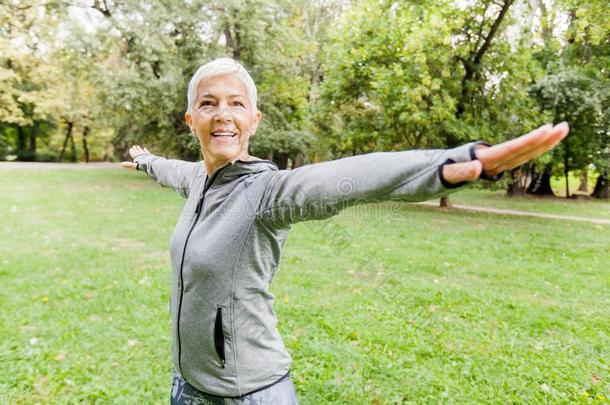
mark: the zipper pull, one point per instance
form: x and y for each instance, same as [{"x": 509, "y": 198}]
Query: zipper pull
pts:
[
  {"x": 199, "y": 204},
  {"x": 222, "y": 363}
]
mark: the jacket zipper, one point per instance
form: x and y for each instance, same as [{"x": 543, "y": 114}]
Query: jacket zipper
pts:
[
  {"x": 206, "y": 187},
  {"x": 219, "y": 337}
]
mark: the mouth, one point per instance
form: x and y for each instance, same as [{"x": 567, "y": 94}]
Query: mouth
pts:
[{"x": 223, "y": 134}]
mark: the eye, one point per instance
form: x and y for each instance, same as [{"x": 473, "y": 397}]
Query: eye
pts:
[
  {"x": 206, "y": 103},
  {"x": 238, "y": 103}
]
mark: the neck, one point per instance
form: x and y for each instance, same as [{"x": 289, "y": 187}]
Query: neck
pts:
[{"x": 212, "y": 164}]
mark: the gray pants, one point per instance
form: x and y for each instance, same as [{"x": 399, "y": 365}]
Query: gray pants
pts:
[{"x": 280, "y": 393}]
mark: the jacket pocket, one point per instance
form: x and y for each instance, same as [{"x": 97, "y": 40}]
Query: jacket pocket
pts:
[{"x": 219, "y": 337}]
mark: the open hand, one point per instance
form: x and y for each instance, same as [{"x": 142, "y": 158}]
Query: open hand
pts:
[
  {"x": 507, "y": 155},
  {"x": 134, "y": 151}
]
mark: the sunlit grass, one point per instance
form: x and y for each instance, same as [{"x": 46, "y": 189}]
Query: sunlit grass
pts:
[
  {"x": 376, "y": 305},
  {"x": 590, "y": 208}
]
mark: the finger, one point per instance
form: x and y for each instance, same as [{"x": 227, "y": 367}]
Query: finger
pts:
[
  {"x": 135, "y": 151},
  {"x": 467, "y": 171},
  {"x": 515, "y": 147},
  {"x": 548, "y": 142},
  {"x": 514, "y": 152},
  {"x": 129, "y": 165},
  {"x": 537, "y": 145}
]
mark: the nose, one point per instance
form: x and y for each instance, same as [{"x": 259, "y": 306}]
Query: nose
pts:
[{"x": 223, "y": 114}]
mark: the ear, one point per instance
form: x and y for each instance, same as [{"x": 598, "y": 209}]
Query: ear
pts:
[
  {"x": 189, "y": 122},
  {"x": 258, "y": 116}
]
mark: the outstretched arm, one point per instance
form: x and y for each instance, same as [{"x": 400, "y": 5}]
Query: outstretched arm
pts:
[
  {"x": 321, "y": 190},
  {"x": 493, "y": 160},
  {"x": 177, "y": 174}
]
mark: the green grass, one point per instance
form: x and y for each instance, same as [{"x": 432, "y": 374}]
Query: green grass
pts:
[
  {"x": 591, "y": 208},
  {"x": 558, "y": 183},
  {"x": 563, "y": 206},
  {"x": 383, "y": 304}
]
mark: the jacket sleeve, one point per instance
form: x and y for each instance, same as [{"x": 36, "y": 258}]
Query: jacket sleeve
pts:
[
  {"x": 177, "y": 174},
  {"x": 318, "y": 191}
]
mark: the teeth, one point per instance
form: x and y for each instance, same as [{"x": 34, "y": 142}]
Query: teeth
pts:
[{"x": 223, "y": 134}]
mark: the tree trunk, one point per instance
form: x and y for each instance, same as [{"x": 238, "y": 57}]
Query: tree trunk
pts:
[
  {"x": 445, "y": 203},
  {"x": 237, "y": 43},
  {"x": 282, "y": 162},
  {"x": 601, "y": 189},
  {"x": 298, "y": 161},
  {"x": 513, "y": 189},
  {"x": 85, "y": 133},
  {"x": 473, "y": 62},
  {"x": 102, "y": 7},
  {"x": 584, "y": 181},
  {"x": 518, "y": 183},
  {"x": 541, "y": 184},
  {"x": 72, "y": 149},
  {"x": 66, "y": 139},
  {"x": 566, "y": 166},
  {"x": 33, "y": 136},
  {"x": 21, "y": 155},
  {"x": 233, "y": 40}
]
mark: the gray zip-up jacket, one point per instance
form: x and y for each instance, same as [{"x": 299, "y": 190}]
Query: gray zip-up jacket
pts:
[{"x": 226, "y": 247}]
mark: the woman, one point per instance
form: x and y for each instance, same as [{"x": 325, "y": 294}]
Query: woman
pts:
[{"x": 227, "y": 243}]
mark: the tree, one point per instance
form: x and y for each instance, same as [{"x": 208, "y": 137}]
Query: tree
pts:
[
  {"x": 589, "y": 49},
  {"x": 145, "y": 54},
  {"x": 25, "y": 118},
  {"x": 601, "y": 157},
  {"x": 423, "y": 75},
  {"x": 74, "y": 91},
  {"x": 152, "y": 51},
  {"x": 573, "y": 97},
  {"x": 574, "y": 88},
  {"x": 278, "y": 41}
]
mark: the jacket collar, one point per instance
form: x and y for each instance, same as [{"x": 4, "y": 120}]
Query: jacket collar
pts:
[{"x": 237, "y": 168}]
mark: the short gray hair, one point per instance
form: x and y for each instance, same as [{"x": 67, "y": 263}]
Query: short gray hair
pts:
[{"x": 219, "y": 67}]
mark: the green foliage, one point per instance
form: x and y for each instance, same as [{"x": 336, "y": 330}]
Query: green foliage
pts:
[
  {"x": 361, "y": 76},
  {"x": 570, "y": 96},
  {"x": 144, "y": 73},
  {"x": 147, "y": 69},
  {"x": 575, "y": 88},
  {"x": 395, "y": 78},
  {"x": 25, "y": 72},
  {"x": 280, "y": 142}
]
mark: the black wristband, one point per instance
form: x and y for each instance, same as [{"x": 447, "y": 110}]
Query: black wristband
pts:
[
  {"x": 484, "y": 175},
  {"x": 497, "y": 177},
  {"x": 444, "y": 182}
]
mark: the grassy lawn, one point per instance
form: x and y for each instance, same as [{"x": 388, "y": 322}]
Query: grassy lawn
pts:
[
  {"x": 591, "y": 208},
  {"x": 382, "y": 304},
  {"x": 562, "y": 206}
]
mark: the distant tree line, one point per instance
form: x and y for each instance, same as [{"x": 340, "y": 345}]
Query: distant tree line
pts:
[{"x": 83, "y": 80}]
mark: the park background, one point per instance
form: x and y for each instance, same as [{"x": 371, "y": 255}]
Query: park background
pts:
[{"x": 398, "y": 304}]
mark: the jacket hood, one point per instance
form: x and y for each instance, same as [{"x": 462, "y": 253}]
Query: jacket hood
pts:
[{"x": 237, "y": 168}]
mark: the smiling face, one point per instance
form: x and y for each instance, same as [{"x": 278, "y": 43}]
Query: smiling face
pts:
[{"x": 223, "y": 119}]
